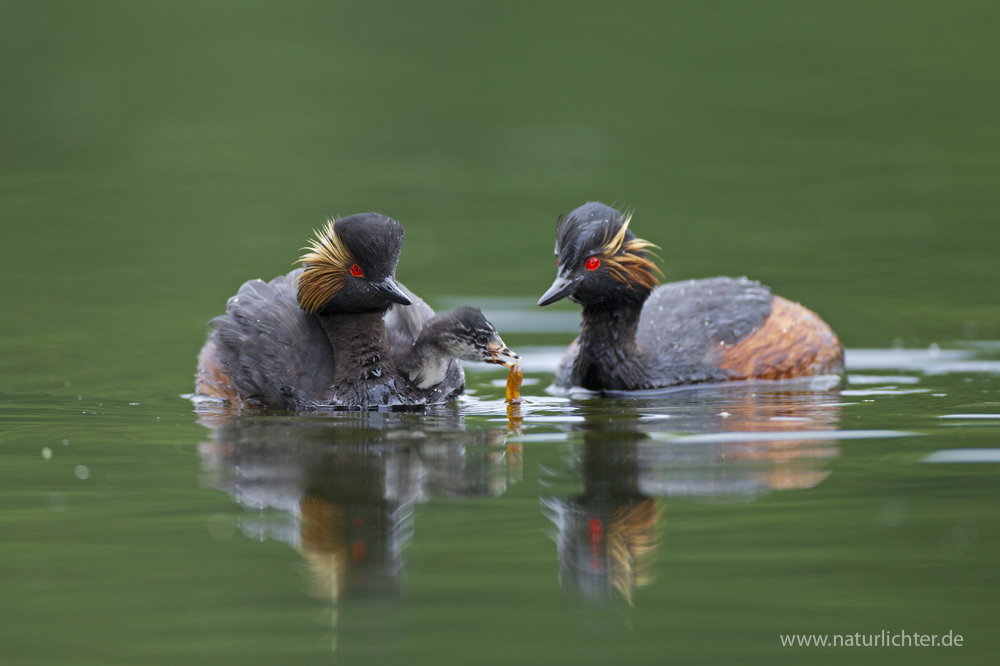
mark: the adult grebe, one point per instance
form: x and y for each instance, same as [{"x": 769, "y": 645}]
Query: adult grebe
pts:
[
  {"x": 341, "y": 332},
  {"x": 637, "y": 335}
]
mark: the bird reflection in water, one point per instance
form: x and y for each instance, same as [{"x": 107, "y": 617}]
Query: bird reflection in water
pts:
[
  {"x": 342, "y": 490},
  {"x": 608, "y": 535}
]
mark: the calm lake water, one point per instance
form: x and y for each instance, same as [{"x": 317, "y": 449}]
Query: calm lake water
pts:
[{"x": 152, "y": 159}]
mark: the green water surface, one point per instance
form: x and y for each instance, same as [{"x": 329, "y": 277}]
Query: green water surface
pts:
[{"x": 154, "y": 157}]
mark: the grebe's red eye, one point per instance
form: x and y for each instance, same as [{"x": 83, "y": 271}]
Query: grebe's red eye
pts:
[
  {"x": 592, "y": 264},
  {"x": 356, "y": 271},
  {"x": 557, "y": 261}
]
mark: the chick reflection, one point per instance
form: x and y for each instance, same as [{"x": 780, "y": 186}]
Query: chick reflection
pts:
[
  {"x": 608, "y": 535},
  {"x": 342, "y": 492}
]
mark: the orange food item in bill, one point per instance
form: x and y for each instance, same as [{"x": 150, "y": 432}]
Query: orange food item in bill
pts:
[{"x": 514, "y": 383}]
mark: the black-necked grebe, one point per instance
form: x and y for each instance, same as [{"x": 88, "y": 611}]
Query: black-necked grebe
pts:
[
  {"x": 341, "y": 332},
  {"x": 637, "y": 335}
]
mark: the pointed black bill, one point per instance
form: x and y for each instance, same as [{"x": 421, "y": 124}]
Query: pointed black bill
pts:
[
  {"x": 390, "y": 290},
  {"x": 560, "y": 289}
]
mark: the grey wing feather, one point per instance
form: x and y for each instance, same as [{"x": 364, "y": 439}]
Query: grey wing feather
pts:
[
  {"x": 273, "y": 351},
  {"x": 403, "y": 324},
  {"x": 681, "y": 321}
]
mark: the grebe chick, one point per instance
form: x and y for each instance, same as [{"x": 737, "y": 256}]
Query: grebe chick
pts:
[
  {"x": 327, "y": 334},
  {"x": 464, "y": 334},
  {"x": 637, "y": 335}
]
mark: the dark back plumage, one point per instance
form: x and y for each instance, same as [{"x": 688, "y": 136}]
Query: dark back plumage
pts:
[
  {"x": 682, "y": 321},
  {"x": 273, "y": 352}
]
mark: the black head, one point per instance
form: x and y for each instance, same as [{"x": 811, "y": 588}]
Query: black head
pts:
[
  {"x": 464, "y": 333},
  {"x": 351, "y": 266},
  {"x": 601, "y": 263}
]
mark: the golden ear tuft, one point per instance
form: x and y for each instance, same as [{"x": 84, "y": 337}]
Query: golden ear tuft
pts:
[
  {"x": 614, "y": 245},
  {"x": 326, "y": 265},
  {"x": 624, "y": 264},
  {"x": 322, "y": 534}
]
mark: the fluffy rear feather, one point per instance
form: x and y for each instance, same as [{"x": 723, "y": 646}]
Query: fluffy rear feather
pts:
[{"x": 276, "y": 353}]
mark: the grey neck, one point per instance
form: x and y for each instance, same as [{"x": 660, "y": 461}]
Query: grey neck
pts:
[
  {"x": 364, "y": 373},
  {"x": 609, "y": 357}
]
